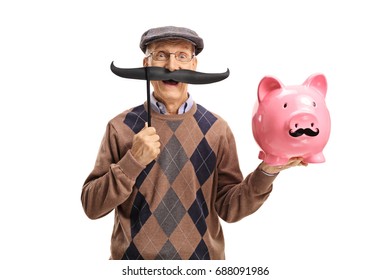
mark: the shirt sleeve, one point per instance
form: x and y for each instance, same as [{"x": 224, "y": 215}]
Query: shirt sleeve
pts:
[
  {"x": 112, "y": 179},
  {"x": 238, "y": 197}
]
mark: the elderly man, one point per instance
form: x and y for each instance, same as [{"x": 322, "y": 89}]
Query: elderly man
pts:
[{"x": 170, "y": 183}]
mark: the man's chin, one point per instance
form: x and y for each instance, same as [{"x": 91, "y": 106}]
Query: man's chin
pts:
[{"x": 170, "y": 93}]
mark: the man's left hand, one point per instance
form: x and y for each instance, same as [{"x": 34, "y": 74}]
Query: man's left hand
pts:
[{"x": 276, "y": 169}]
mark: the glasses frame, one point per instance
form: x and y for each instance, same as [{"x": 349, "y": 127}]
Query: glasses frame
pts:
[{"x": 168, "y": 54}]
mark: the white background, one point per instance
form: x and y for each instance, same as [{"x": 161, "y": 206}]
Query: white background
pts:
[{"x": 325, "y": 221}]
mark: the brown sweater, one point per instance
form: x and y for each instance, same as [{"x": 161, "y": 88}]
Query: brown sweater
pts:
[{"x": 170, "y": 209}]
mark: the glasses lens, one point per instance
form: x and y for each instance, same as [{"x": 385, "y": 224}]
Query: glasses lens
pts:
[
  {"x": 160, "y": 56},
  {"x": 183, "y": 57}
]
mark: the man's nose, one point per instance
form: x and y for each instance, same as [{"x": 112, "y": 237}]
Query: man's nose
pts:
[{"x": 172, "y": 64}]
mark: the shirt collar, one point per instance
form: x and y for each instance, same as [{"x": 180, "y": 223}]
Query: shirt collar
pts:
[{"x": 159, "y": 107}]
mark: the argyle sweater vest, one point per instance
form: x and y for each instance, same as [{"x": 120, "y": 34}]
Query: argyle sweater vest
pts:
[{"x": 170, "y": 209}]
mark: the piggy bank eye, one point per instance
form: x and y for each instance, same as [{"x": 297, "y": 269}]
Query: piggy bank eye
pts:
[
  {"x": 314, "y": 104},
  {"x": 285, "y": 105}
]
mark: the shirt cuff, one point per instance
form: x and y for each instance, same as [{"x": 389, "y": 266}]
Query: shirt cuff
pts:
[{"x": 269, "y": 174}]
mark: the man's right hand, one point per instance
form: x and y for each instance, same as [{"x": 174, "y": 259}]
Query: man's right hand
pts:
[{"x": 146, "y": 145}]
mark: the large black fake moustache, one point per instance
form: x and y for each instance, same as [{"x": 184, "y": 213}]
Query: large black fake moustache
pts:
[
  {"x": 153, "y": 73},
  {"x": 304, "y": 131}
]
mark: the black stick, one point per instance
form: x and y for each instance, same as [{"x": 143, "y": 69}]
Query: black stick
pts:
[{"x": 148, "y": 95}]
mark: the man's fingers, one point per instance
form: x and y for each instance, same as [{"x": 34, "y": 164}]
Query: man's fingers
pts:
[
  {"x": 147, "y": 131},
  {"x": 146, "y": 145}
]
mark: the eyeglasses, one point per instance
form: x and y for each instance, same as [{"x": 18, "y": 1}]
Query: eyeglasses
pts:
[{"x": 165, "y": 56}]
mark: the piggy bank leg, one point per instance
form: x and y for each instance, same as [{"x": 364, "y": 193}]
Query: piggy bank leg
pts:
[
  {"x": 272, "y": 160},
  {"x": 262, "y": 155},
  {"x": 316, "y": 158}
]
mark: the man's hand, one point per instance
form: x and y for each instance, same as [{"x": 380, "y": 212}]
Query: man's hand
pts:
[
  {"x": 276, "y": 169},
  {"x": 146, "y": 145}
]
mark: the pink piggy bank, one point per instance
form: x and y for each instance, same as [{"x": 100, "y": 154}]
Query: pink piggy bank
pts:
[{"x": 291, "y": 121}]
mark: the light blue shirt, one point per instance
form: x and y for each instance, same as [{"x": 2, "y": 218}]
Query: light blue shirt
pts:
[{"x": 159, "y": 107}]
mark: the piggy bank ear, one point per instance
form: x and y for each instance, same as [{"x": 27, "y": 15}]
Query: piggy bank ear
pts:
[
  {"x": 317, "y": 81},
  {"x": 266, "y": 85}
]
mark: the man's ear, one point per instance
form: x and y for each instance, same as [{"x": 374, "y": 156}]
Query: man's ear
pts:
[
  {"x": 195, "y": 63},
  {"x": 145, "y": 62}
]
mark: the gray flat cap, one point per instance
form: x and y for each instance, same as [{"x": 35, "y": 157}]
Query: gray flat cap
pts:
[{"x": 171, "y": 32}]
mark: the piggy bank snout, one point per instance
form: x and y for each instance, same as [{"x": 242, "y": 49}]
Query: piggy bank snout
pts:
[{"x": 304, "y": 123}]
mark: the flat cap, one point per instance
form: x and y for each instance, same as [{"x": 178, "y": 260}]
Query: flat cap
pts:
[{"x": 171, "y": 32}]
